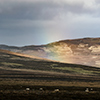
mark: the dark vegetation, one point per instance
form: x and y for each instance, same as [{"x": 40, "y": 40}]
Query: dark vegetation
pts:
[
  {"x": 50, "y": 96},
  {"x": 18, "y": 92}
]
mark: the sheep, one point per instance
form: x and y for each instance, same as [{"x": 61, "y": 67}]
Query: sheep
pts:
[
  {"x": 56, "y": 90},
  {"x": 91, "y": 89},
  {"x": 87, "y": 90},
  {"x": 41, "y": 89},
  {"x": 27, "y": 89}
]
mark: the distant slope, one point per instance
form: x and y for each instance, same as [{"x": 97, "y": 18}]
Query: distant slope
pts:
[
  {"x": 84, "y": 51},
  {"x": 24, "y": 55}
]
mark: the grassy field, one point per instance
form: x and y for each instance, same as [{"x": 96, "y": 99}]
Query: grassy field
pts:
[
  {"x": 17, "y": 73},
  {"x": 13, "y": 85}
]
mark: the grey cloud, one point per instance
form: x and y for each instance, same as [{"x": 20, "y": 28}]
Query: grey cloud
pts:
[
  {"x": 28, "y": 19},
  {"x": 40, "y": 10},
  {"x": 33, "y": 11}
]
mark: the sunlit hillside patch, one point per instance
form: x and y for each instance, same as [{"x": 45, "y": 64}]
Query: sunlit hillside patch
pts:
[
  {"x": 11, "y": 64},
  {"x": 77, "y": 70}
]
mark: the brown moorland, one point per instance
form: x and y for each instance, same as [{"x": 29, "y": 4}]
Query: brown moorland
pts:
[{"x": 17, "y": 73}]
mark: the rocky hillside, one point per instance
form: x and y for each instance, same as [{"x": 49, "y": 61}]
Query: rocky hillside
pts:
[
  {"x": 79, "y": 51},
  {"x": 84, "y": 51}
]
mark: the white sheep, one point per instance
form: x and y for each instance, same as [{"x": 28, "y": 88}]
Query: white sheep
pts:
[
  {"x": 87, "y": 90},
  {"x": 27, "y": 89},
  {"x": 41, "y": 89},
  {"x": 56, "y": 90},
  {"x": 91, "y": 89}
]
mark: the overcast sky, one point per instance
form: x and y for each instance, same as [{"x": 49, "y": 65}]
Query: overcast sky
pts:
[{"x": 36, "y": 22}]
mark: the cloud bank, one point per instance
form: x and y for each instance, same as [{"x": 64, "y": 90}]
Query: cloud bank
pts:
[{"x": 36, "y": 21}]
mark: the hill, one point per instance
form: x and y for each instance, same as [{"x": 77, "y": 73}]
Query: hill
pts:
[
  {"x": 22, "y": 77},
  {"x": 14, "y": 63},
  {"x": 84, "y": 51}
]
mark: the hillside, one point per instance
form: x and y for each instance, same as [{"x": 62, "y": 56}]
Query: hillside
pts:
[
  {"x": 84, "y": 51},
  {"x": 20, "y": 72},
  {"x": 14, "y": 64}
]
